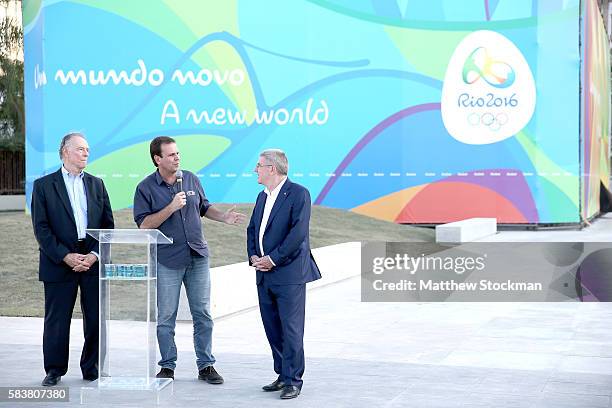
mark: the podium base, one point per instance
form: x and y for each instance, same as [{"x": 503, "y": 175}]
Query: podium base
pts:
[{"x": 117, "y": 390}]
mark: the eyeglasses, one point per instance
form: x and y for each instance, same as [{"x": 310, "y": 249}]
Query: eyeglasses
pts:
[{"x": 263, "y": 165}]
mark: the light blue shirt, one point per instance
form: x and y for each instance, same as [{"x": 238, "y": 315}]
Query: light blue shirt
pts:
[{"x": 78, "y": 200}]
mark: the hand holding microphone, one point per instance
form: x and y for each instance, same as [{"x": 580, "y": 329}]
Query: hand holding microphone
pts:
[
  {"x": 179, "y": 180},
  {"x": 180, "y": 198}
]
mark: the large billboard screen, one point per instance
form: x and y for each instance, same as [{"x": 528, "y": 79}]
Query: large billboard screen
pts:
[{"x": 409, "y": 111}]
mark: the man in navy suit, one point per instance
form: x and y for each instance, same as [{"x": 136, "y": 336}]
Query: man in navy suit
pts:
[
  {"x": 64, "y": 204},
  {"x": 278, "y": 247}
]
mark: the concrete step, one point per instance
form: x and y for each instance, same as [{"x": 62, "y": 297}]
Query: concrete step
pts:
[{"x": 466, "y": 230}]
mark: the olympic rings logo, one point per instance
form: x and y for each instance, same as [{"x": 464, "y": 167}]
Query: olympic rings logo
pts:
[{"x": 493, "y": 122}]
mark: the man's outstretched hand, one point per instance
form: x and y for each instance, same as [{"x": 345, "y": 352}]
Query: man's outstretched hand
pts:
[{"x": 232, "y": 217}]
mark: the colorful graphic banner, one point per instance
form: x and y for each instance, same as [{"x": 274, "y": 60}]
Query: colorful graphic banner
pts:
[
  {"x": 409, "y": 111},
  {"x": 595, "y": 109}
]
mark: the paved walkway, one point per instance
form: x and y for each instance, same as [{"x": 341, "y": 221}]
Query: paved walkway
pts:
[
  {"x": 600, "y": 230},
  {"x": 380, "y": 355}
]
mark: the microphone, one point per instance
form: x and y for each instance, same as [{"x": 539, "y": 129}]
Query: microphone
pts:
[{"x": 179, "y": 179}]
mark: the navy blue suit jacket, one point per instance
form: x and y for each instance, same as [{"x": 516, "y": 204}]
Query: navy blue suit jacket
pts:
[
  {"x": 286, "y": 237},
  {"x": 55, "y": 228}
]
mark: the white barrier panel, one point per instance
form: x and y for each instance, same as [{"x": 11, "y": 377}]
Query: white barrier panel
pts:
[
  {"x": 12, "y": 203},
  {"x": 233, "y": 286},
  {"x": 467, "y": 230}
]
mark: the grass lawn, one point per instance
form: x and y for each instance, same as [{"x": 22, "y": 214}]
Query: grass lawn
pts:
[{"x": 21, "y": 294}]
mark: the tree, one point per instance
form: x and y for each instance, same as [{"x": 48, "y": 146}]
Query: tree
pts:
[{"x": 12, "y": 113}]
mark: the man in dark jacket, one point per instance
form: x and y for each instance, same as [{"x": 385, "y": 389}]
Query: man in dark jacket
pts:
[
  {"x": 278, "y": 247},
  {"x": 64, "y": 204}
]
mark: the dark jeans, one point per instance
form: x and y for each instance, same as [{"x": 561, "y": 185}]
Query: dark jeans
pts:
[{"x": 196, "y": 278}]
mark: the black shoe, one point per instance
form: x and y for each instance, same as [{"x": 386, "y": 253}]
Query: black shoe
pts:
[
  {"x": 210, "y": 375},
  {"x": 289, "y": 391},
  {"x": 51, "y": 380},
  {"x": 165, "y": 373},
  {"x": 90, "y": 377},
  {"x": 275, "y": 386}
]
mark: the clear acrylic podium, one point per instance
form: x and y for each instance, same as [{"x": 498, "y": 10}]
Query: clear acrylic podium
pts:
[{"x": 128, "y": 316}]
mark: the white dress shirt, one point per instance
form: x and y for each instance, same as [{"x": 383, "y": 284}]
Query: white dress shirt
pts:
[
  {"x": 270, "y": 200},
  {"x": 78, "y": 200}
]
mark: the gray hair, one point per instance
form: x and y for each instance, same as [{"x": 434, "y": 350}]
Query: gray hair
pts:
[
  {"x": 277, "y": 158},
  {"x": 66, "y": 140}
]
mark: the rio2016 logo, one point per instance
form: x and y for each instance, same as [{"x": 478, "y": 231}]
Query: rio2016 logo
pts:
[
  {"x": 489, "y": 92},
  {"x": 480, "y": 65}
]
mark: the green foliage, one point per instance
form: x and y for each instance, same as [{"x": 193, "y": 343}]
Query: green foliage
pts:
[{"x": 12, "y": 110}]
